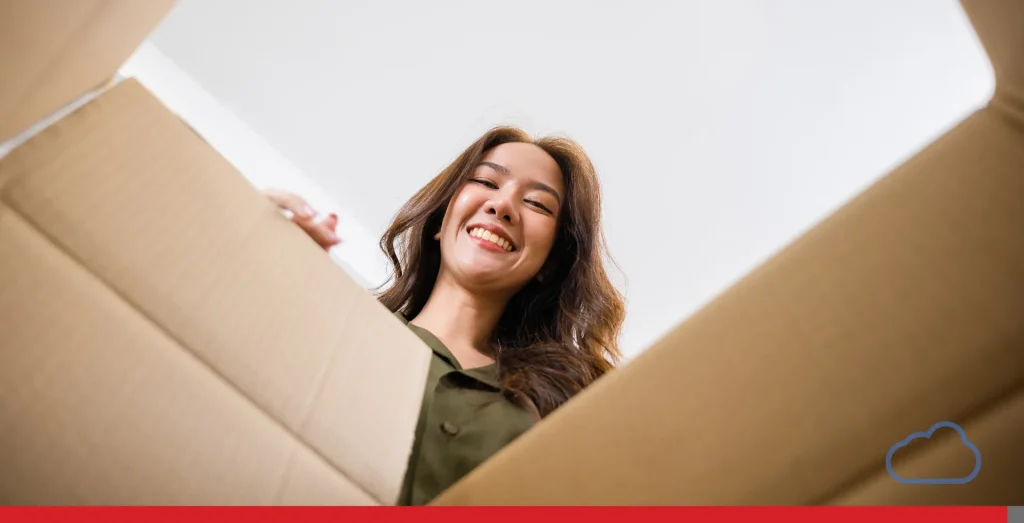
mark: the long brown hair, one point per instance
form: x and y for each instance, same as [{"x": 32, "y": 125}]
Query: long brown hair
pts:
[{"x": 556, "y": 336}]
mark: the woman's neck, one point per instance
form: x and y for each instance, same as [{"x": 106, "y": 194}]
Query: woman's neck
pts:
[{"x": 463, "y": 321}]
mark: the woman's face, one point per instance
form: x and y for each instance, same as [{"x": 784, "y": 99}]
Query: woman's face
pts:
[{"x": 499, "y": 228}]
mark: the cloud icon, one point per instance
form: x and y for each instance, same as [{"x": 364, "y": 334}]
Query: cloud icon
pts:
[{"x": 927, "y": 435}]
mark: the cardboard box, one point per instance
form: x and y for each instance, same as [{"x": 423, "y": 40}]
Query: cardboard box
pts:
[
  {"x": 53, "y": 51},
  {"x": 166, "y": 335},
  {"x": 903, "y": 309}
]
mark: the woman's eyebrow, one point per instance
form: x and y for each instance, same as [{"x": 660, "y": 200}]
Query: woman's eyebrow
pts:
[
  {"x": 534, "y": 184},
  {"x": 500, "y": 168}
]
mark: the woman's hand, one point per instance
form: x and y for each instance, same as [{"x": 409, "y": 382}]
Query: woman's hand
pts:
[{"x": 322, "y": 231}]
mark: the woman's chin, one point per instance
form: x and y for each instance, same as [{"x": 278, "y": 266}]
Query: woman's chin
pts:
[
  {"x": 487, "y": 275},
  {"x": 485, "y": 264},
  {"x": 479, "y": 274}
]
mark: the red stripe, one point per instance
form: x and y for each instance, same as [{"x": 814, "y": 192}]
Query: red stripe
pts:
[{"x": 510, "y": 515}]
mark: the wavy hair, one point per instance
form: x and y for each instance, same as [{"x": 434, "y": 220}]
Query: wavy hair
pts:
[{"x": 556, "y": 336}]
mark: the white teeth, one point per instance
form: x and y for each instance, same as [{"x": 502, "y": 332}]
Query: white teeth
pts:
[{"x": 480, "y": 232}]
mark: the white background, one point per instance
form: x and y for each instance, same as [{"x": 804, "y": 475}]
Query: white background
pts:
[{"x": 721, "y": 129}]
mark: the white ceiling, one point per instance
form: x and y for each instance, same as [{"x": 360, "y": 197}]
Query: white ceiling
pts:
[{"x": 721, "y": 128}]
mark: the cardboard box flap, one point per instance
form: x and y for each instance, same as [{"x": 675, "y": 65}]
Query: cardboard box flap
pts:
[
  {"x": 998, "y": 25},
  {"x": 143, "y": 203},
  {"x": 54, "y": 51},
  {"x": 996, "y": 434},
  {"x": 899, "y": 311},
  {"x": 99, "y": 407}
]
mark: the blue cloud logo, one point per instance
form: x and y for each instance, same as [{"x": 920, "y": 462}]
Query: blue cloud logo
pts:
[{"x": 927, "y": 435}]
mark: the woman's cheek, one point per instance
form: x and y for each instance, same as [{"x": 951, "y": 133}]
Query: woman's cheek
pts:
[
  {"x": 544, "y": 235},
  {"x": 465, "y": 196}
]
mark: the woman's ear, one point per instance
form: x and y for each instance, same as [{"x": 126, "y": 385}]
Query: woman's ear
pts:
[{"x": 438, "y": 235}]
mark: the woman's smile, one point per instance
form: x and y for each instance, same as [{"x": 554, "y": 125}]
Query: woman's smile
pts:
[{"x": 490, "y": 239}]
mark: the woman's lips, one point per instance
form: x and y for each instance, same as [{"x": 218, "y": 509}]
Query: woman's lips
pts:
[
  {"x": 490, "y": 239},
  {"x": 485, "y": 244}
]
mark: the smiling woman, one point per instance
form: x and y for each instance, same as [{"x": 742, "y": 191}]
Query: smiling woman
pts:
[{"x": 498, "y": 265}]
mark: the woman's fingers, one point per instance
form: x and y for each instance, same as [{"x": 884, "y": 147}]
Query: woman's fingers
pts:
[
  {"x": 322, "y": 231},
  {"x": 291, "y": 202},
  {"x": 321, "y": 234},
  {"x": 331, "y": 222}
]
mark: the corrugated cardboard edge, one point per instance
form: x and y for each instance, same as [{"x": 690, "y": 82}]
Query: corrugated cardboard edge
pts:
[{"x": 9, "y": 145}]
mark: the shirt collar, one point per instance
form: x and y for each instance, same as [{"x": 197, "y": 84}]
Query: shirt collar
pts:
[{"x": 487, "y": 374}]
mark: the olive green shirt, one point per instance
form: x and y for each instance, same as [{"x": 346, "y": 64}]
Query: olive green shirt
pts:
[{"x": 464, "y": 419}]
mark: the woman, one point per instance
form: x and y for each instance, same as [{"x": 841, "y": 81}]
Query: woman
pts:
[{"x": 497, "y": 266}]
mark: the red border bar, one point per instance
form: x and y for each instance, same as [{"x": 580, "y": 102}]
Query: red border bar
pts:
[{"x": 510, "y": 514}]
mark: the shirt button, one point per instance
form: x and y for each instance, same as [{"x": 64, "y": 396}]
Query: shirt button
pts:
[{"x": 449, "y": 428}]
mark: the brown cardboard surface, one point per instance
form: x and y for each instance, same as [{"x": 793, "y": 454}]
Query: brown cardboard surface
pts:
[
  {"x": 53, "y": 51},
  {"x": 997, "y": 434},
  {"x": 901, "y": 310},
  {"x": 128, "y": 192},
  {"x": 99, "y": 406},
  {"x": 998, "y": 24}
]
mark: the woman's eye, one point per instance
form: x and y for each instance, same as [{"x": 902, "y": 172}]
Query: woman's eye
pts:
[
  {"x": 539, "y": 205},
  {"x": 485, "y": 183}
]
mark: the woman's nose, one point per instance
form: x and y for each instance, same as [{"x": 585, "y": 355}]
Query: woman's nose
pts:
[{"x": 501, "y": 208}]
